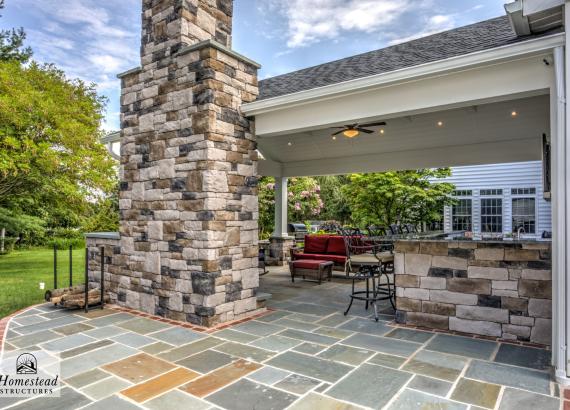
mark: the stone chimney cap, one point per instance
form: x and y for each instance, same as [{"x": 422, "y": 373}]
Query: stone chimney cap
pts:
[{"x": 217, "y": 46}]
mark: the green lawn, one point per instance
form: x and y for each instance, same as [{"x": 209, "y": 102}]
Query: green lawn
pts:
[{"x": 22, "y": 271}]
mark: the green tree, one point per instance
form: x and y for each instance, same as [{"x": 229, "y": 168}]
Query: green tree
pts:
[
  {"x": 336, "y": 204},
  {"x": 398, "y": 196},
  {"x": 52, "y": 164},
  {"x": 12, "y": 44}
]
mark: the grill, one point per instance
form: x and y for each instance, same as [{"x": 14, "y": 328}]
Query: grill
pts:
[{"x": 297, "y": 230}]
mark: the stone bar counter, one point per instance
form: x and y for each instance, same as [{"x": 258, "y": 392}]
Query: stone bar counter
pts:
[{"x": 494, "y": 288}]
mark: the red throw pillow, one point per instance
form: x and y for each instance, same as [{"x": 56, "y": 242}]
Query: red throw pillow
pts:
[
  {"x": 336, "y": 246},
  {"x": 316, "y": 243}
]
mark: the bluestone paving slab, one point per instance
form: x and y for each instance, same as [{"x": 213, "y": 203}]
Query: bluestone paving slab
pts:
[
  {"x": 138, "y": 368},
  {"x": 89, "y": 377},
  {"x": 387, "y": 360},
  {"x": 370, "y": 386},
  {"x": 206, "y": 361},
  {"x": 476, "y": 393},
  {"x": 156, "y": 348},
  {"x": 527, "y": 379},
  {"x": 142, "y": 325},
  {"x": 314, "y": 401},
  {"x": 323, "y": 387},
  {"x": 300, "y": 317},
  {"x": 28, "y": 312},
  {"x": 369, "y": 326},
  {"x": 235, "y": 336},
  {"x": 258, "y": 328},
  {"x": 317, "y": 368},
  {"x": 438, "y": 365},
  {"x": 132, "y": 339},
  {"x": 430, "y": 385},
  {"x": 410, "y": 335},
  {"x": 297, "y": 384},
  {"x": 28, "y": 320},
  {"x": 310, "y": 309},
  {"x": 333, "y": 332},
  {"x": 105, "y": 332},
  {"x": 73, "y": 328},
  {"x": 247, "y": 395},
  {"x": 382, "y": 344},
  {"x": 175, "y": 399},
  {"x": 334, "y": 320},
  {"x": 67, "y": 342},
  {"x": 514, "y": 399},
  {"x": 57, "y": 313},
  {"x": 309, "y": 348},
  {"x": 246, "y": 352},
  {"x": 181, "y": 352},
  {"x": 268, "y": 375},
  {"x": 523, "y": 356},
  {"x": 86, "y": 348},
  {"x": 34, "y": 338},
  {"x": 463, "y": 346},
  {"x": 69, "y": 399},
  {"x": 276, "y": 343},
  {"x": 105, "y": 388},
  {"x": 346, "y": 354},
  {"x": 411, "y": 399},
  {"x": 113, "y": 319},
  {"x": 49, "y": 324},
  {"x": 273, "y": 316},
  {"x": 79, "y": 364},
  {"x": 177, "y": 336},
  {"x": 112, "y": 403},
  {"x": 308, "y": 337},
  {"x": 293, "y": 324},
  {"x": 9, "y": 401}
]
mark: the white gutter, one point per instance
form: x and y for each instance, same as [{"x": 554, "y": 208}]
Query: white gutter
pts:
[
  {"x": 472, "y": 60},
  {"x": 519, "y": 21}
]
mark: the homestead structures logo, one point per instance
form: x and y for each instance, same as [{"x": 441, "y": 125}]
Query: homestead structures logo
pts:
[
  {"x": 29, "y": 374},
  {"x": 26, "y": 363}
]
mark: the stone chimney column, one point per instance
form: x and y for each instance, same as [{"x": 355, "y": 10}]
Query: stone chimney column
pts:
[{"x": 188, "y": 195}]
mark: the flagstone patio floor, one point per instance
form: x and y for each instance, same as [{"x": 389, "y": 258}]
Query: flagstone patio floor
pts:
[{"x": 304, "y": 354}]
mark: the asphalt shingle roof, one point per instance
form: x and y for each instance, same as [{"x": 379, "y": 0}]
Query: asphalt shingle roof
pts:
[{"x": 480, "y": 36}]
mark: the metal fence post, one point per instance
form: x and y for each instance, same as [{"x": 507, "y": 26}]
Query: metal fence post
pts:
[
  {"x": 70, "y": 265},
  {"x": 102, "y": 276},
  {"x": 55, "y": 266},
  {"x": 86, "y": 279}
]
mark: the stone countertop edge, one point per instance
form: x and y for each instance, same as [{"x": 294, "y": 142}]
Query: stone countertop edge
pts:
[
  {"x": 103, "y": 235},
  {"x": 506, "y": 243}
]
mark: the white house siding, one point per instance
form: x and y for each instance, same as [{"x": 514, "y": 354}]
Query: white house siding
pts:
[{"x": 505, "y": 177}]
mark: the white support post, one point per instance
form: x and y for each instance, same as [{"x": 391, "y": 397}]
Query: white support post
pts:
[{"x": 280, "y": 229}]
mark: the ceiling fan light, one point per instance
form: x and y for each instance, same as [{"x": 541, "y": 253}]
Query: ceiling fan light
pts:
[{"x": 350, "y": 133}]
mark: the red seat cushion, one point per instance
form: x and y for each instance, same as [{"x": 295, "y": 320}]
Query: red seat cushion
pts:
[
  {"x": 336, "y": 246},
  {"x": 339, "y": 259},
  {"x": 308, "y": 264},
  {"x": 316, "y": 243}
]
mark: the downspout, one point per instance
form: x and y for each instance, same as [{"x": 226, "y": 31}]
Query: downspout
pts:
[{"x": 560, "y": 311}]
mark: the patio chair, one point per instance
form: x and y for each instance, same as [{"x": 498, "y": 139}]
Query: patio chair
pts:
[{"x": 396, "y": 229}]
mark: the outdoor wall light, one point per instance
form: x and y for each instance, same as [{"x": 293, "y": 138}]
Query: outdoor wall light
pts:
[{"x": 350, "y": 133}]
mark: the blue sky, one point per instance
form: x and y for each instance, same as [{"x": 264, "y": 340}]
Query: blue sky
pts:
[{"x": 96, "y": 39}]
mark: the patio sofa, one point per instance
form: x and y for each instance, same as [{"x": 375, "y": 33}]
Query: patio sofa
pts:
[{"x": 323, "y": 247}]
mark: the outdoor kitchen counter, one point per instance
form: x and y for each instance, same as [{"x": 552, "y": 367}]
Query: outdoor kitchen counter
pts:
[{"x": 494, "y": 288}]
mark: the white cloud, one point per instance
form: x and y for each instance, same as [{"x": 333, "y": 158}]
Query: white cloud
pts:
[
  {"x": 434, "y": 24},
  {"x": 310, "y": 21}
]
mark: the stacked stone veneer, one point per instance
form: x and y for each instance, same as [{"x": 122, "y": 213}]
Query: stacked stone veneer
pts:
[
  {"x": 188, "y": 191},
  {"x": 500, "y": 289}
]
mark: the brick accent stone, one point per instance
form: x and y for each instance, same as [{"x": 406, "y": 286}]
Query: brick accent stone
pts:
[{"x": 499, "y": 289}]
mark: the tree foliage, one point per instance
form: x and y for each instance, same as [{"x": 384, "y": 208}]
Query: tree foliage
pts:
[
  {"x": 398, "y": 196},
  {"x": 12, "y": 44}
]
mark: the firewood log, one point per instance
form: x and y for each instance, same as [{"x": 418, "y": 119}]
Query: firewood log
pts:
[{"x": 63, "y": 291}]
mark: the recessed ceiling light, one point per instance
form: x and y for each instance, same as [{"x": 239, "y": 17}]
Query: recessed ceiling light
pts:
[
  {"x": 440, "y": 123},
  {"x": 334, "y": 137},
  {"x": 514, "y": 114},
  {"x": 289, "y": 143},
  {"x": 382, "y": 131}
]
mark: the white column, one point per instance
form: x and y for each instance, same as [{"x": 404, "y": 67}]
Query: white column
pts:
[
  {"x": 559, "y": 157},
  {"x": 280, "y": 230}
]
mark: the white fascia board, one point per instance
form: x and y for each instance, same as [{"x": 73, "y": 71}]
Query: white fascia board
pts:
[
  {"x": 536, "y": 6},
  {"x": 472, "y": 60}
]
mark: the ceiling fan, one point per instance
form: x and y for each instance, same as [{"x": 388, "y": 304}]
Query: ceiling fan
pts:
[{"x": 353, "y": 130}]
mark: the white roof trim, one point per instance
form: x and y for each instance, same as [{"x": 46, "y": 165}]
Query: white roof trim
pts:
[{"x": 479, "y": 58}]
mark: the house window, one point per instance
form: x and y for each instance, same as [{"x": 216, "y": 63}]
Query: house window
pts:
[
  {"x": 491, "y": 192},
  {"x": 463, "y": 192},
  {"x": 524, "y": 209},
  {"x": 491, "y": 215},
  {"x": 461, "y": 215}
]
